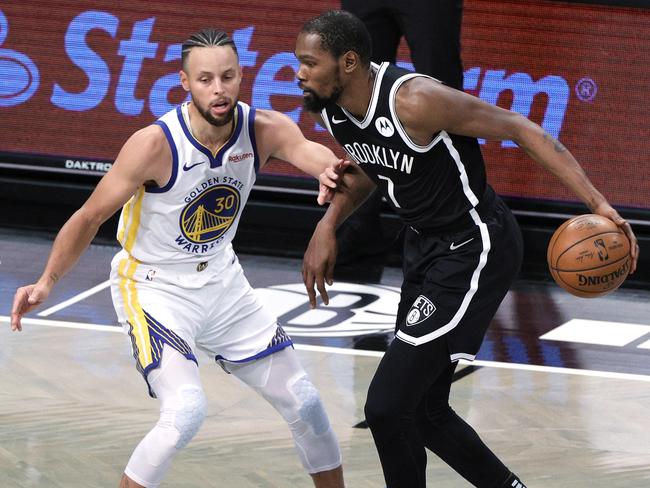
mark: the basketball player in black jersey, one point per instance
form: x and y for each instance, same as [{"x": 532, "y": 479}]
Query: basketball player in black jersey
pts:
[
  {"x": 415, "y": 139},
  {"x": 432, "y": 32}
]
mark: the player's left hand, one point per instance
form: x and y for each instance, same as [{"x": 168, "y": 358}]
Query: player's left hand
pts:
[
  {"x": 318, "y": 263},
  {"x": 26, "y": 299},
  {"x": 606, "y": 210},
  {"x": 329, "y": 181}
]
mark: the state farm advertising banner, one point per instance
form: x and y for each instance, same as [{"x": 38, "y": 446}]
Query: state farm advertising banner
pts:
[{"x": 78, "y": 77}]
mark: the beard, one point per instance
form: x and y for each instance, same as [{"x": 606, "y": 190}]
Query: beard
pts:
[
  {"x": 211, "y": 119},
  {"x": 315, "y": 103}
]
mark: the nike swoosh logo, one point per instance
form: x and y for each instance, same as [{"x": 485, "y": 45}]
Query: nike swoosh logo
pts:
[
  {"x": 337, "y": 121},
  {"x": 187, "y": 168},
  {"x": 455, "y": 246}
]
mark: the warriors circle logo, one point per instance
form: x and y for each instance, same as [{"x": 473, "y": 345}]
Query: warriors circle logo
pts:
[{"x": 210, "y": 215}]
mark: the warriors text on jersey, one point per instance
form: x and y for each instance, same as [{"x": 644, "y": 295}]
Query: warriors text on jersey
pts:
[
  {"x": 431, "y": 187},
  {"x": 195, "y": 215}
]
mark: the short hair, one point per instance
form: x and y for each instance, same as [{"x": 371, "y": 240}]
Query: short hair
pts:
[
  {"x": 340, "y": 32},
  {"x": 209, "y": 37}
]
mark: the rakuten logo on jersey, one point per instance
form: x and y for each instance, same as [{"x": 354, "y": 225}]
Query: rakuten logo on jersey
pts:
[{"x": 237, "y": 158}]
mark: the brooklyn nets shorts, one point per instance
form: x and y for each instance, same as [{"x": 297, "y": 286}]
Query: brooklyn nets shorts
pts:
[{"x": 453, "y": 284}]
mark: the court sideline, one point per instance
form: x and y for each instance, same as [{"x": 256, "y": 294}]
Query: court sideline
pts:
[{"x": 560, "y": 391}]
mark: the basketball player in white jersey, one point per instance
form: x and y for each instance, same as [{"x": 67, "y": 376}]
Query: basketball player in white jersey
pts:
[{"x": 177, "y": 284}]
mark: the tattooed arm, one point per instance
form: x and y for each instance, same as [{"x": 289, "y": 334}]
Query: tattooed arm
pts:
[{"x": 426, "y": 107}]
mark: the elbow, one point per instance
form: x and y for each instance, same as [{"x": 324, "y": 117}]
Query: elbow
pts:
[
  {"x": 90, "y": 221},
  {"x": 522, "y": 130}
]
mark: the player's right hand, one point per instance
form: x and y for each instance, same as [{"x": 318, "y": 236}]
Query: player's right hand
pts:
[
  {"x": 329, "y": 181},
  {"x": 26, "y": 299},
  {"x": 318, "y": 263},
  {"x": 606, "y": 210}
]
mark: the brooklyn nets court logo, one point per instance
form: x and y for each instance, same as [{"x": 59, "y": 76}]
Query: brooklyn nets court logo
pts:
[
  {"x": 210, "y": 215},
  {"x": 353, "y": 310}
]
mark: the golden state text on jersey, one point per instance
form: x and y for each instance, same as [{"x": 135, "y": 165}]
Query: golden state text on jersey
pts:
[{"x": 196, "y": 214}]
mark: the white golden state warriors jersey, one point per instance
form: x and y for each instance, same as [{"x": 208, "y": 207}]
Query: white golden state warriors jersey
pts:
[{"x": 195, "y": 215}]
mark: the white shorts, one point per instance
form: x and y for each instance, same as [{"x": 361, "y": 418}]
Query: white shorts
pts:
[{"x": 209, "y": 305}]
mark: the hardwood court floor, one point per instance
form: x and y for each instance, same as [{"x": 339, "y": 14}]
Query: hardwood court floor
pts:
[{"x": 73, "y": 406}]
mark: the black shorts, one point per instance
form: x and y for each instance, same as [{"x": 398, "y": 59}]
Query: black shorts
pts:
[{"x": 453, "y": 284}]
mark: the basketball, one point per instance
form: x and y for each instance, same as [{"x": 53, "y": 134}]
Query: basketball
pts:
[{"x": 589, "y": 256}]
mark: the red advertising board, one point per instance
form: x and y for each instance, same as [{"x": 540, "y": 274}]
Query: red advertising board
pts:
[{"x": 78, "y": 77}]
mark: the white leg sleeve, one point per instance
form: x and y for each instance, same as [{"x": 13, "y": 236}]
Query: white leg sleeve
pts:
[
  {"x": 182, "y": 410},
  {"x": 281, "y": 380}
]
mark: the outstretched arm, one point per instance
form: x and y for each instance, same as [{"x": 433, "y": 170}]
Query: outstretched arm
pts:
[
  {"x": 279, "y": 137},
  {"x": 320, "y": 257},
  {"x": 141, "y": 159},
  {"x": 459, "y": 113}
]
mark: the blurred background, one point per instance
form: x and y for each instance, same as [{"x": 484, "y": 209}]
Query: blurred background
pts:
[{"x": 78, "y": 77}]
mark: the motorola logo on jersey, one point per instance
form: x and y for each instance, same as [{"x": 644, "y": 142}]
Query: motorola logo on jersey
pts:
[
  {"x": 384, "y": 126},
  {"x": 353, "y": 310},
  {"x": 421, "y": 310},
  {"x": 208, "y": 216}
]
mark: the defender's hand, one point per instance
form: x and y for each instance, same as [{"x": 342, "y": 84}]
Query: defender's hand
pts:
[
  {"x": 329, "y": 181},
  {"x": 318, "y": 263},
  {"x": 25, "y": 300}
]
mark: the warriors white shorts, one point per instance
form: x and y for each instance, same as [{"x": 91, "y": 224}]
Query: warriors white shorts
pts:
[{"x": 209, "y": 305}]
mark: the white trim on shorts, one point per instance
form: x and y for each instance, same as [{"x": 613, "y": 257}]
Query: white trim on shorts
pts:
[
  {"x": 462, "y": 355},
  {"x": 485, "y": 238}
]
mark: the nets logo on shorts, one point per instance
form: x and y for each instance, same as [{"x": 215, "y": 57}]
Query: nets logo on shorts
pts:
[
  {"x": 421, "y": 310},
  {"x": 210, "y": 215}
]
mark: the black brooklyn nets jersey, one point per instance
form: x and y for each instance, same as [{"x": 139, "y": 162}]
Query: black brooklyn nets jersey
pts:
[{"x": 431, "y": 187}]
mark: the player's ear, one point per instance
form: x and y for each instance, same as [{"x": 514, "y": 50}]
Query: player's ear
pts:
[
  {"x": 350, "y": 61},
  {"x": 185, "y": 82}
]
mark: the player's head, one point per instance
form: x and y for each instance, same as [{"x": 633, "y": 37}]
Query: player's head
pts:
[
  {"x": 211, "y": 74},
  {"x": 330, "y": 48}
]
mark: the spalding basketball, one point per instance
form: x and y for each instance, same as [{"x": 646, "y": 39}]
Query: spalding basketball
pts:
[{"x": 589, "y": 256}]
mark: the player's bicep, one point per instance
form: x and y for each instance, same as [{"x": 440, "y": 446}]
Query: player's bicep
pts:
[
  {"x": 139, "y": 161},
  {"x": 287, "y": 142},
  {"x": 431, "y": 107},
  {"x": 471, "y": 116},
  {"x": 312, "y": 158},
  {"x": 111, "y": 193}
]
